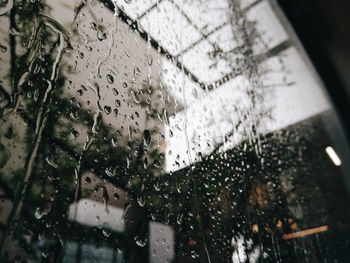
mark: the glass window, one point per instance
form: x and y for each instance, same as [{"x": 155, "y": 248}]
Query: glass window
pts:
[{"x": 165, "y": 131}]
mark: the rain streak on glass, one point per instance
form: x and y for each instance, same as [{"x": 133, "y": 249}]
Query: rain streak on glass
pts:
[{"x": 165, "y": 131}]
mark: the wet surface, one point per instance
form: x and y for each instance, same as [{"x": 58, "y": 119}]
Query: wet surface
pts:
[{"x": 165, "y": 131}]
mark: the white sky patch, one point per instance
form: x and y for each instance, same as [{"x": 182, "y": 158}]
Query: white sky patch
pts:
[
  {"x": 301, "y": 100},
  {"x": 206, "y": 67},
  {"x": 214, "y": 115},
  {"x": 293, "y": 92},
  {"x": 224, "y": 38},
  {"x": 267, "y": 25},
  {"x": 208, "y": 120},
  {"x": 175, "y": 81},
  {"x": 93, "y": 213},
  {"x": 161, "y": 251}
]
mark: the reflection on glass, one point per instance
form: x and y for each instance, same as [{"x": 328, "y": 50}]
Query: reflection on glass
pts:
[{"x": 165, "y": 131}]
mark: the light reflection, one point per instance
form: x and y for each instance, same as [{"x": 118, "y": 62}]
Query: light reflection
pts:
[
  {"x": 305, "y": 232},
  {"x": 333, "y": 156}
]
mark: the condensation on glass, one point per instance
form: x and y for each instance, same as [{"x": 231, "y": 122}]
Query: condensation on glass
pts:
[{"x": 165, "y": 131}]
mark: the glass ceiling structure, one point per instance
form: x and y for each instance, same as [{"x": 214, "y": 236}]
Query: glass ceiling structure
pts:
[
  {"x": 204, "y": 50},
  {"x": 180, "y": 29}
]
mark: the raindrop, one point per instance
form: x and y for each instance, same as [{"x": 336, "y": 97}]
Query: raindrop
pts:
[
  {"x": 141, "y": 199},
  {"x": 125, "y": 85},
  {"x": 101, "y": 36},
  {"x": 87, "y": 180},
  {"x": 126, "y": 208},
  {"x": 117, "y": 103},
  {"x": 193, "y": 254},
  {"x": 146, "y": 137},
  {"x": 74, "y": 133},
  {"x": 106, "y": 232},
  {"x": 13, "y": 31},
  {"x": 145, "y": 163},
  {"x": 107, "y": 109},
  {"x": 128, "y": 161},
  {"x": 115, "y": 92},
  {"x": 36, "y": 95},
  {"x": 156, "y": 163},
  {"x": 110, "y": 171},
  {"x": 150, "y": 60},
  {"x": 105, "y": 198},
  {"x": 93, "y": 26},
  {"x": 80, "y": 92},
  {"x": 5, "y": 6},
  {"x": 40, "y": 213},
  {"x": 3, "y": 49},
  {"x": 141, "y": 236},
  {"x": 157, "y": 185},
  {"x": 179, "y": 219},
  {"x": 110, "y": 78},
  {"x": 137, "y": 71},
  {"x": 116, "y": 196},
  {"x": 166, "y": 117},
  {"x": 114, "y": 140},
  {"x": 51, "y": 163},
  {"x": 135, "y": 97},
  {"x": 141, "y": 242}
]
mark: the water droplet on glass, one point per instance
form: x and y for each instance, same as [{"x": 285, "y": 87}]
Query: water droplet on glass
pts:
[
  {"x": 116, "y": 196},
  {"x": 107, "y": 110},
  {"x": 80, "y": 92},
  {"x": 40, "y": 213},
  {"x": 105, "y": 199},
  {"x": 106, "y": 232},
  {"x": 150, "y": 60},
  {"x": 156, "y": 163},
  {"x": 110, "y": 79},
  {"x": 137, "y": 71},
  {"x": 146, "y": 137},
  {"x": 3, "y": 49},
  {"x": 179, "y": 219},
  {"x": 166, "y": 117},
  {"x": 93, "y": 26},
  {"x": 87, "y": 180},
  {"x": 141, "y": 199},
  {"x": 115, "y": 92},
  {"x": 5, "y": 6},
  {"x": 74, "y": 133},
  {"x": 101, "y": 36},
  {"x": 135, "y": 97},
  {"x": 117, "y": 103},
  {"x": 51, "y": 162}
]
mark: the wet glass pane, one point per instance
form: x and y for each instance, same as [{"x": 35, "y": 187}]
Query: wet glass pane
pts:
[{"x": 165, "y": 131}]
